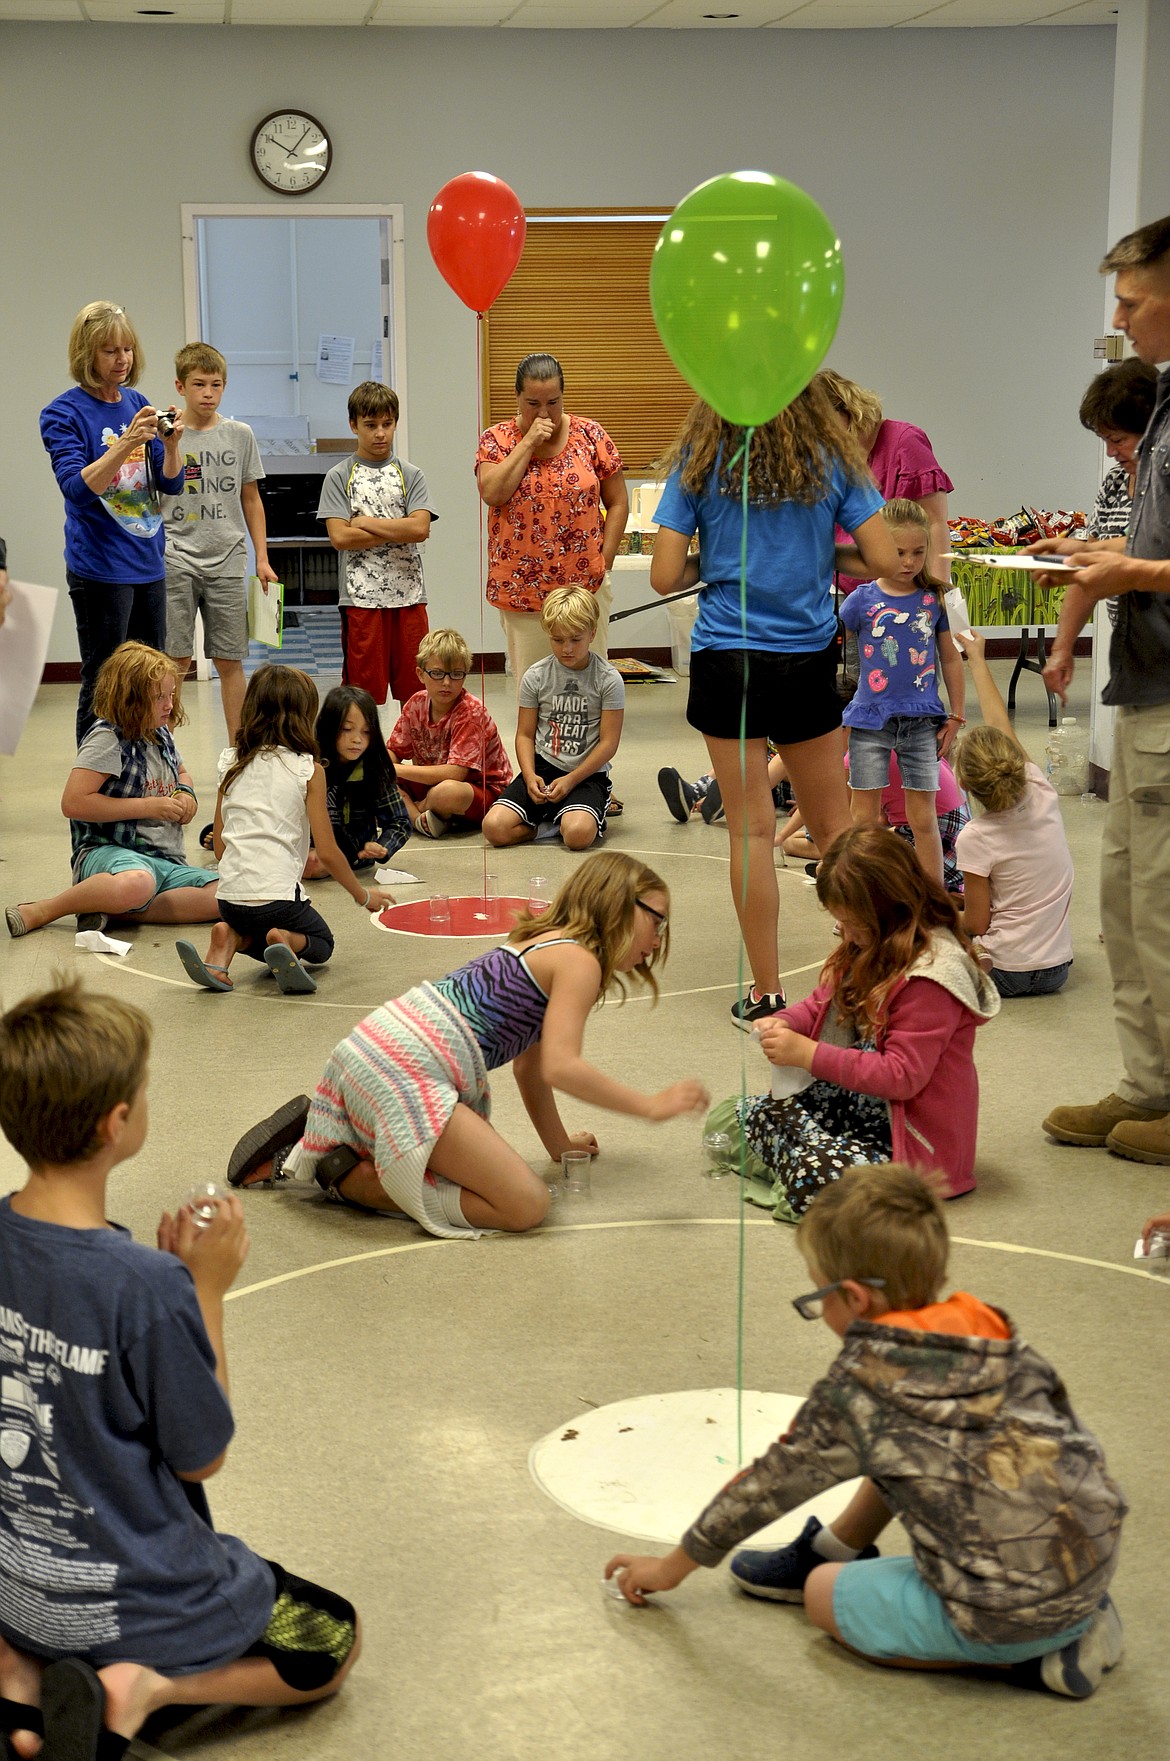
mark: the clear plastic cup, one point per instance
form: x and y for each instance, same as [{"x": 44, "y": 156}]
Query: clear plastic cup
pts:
[
  {"x": 577, "y": 1174},
  {"x": 539, "y": 894},
  {"x": 440, "y": 911},
  {"x": 203, "y": 1201},
  {"x": 719, "y": 1157},
  {"x": 491, "y": 900}
]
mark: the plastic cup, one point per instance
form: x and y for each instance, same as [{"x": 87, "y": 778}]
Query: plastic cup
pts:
[
  {"x": 539, "y": 894},
  {"x": 202, "y": 1200},
  {"x": 440, "y": 911},
  {"x": 577, "y": 1174},
  {"x": 719, "y": 1156},
  {"x": 491, "y": 899}
]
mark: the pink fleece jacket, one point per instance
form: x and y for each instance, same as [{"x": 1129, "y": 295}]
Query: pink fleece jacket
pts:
[{"x": 923, "y": 1067}]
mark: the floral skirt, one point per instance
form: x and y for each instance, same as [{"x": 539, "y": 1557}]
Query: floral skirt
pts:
[{"x": 807, "y": 1141}]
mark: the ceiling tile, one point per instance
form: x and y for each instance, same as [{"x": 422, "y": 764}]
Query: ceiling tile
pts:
[{"x": 41, "y": 11}]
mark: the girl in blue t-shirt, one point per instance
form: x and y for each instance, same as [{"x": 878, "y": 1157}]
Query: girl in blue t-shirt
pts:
[
  {"x": 902, "y": 640},
  {"x": 806, "y": 474}
]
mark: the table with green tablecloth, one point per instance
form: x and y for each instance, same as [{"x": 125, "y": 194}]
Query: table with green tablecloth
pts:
[{"x": 1011, "y": 598}]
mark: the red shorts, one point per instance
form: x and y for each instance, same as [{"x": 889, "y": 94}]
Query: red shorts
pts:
[
  {"x": 480, "y": 799},
  {"x": 380, "y": 649}
]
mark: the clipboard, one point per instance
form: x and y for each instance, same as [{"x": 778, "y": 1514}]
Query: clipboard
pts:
[{"x": 266, "y": 612}]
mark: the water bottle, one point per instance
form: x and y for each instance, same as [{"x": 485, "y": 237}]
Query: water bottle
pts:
[{"x": 1067, "y": 758}]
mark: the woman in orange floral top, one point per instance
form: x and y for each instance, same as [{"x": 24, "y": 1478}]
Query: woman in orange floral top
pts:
[{"x": 546, "y": 477}]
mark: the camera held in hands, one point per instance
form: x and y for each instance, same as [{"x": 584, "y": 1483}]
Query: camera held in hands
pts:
[{"x": 166, "y": 422}]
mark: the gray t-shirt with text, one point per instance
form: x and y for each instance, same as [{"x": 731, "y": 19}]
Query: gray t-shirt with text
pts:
[
  {"x": 568, "y": 707},
  {"x": 204, "y": 526}
]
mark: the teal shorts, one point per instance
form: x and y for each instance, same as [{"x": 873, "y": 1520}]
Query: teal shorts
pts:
[
  {"x": 883, "y": 1609},
  {"x": 117, "y": 859}
]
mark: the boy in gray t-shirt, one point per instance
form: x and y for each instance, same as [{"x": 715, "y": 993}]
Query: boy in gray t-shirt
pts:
[
  {"x": 206, "y": 527},
  {"x": 377, "y": 511},
  {"x": 570, "y": 722}
]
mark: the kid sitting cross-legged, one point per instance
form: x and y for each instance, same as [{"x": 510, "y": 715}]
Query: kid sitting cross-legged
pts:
[
  {"x": 449, "y": 757},
  {"x": 117, "y": 1596},
  {"x": 567, "y": 730},
  {"x": 963, "y": 1432}
]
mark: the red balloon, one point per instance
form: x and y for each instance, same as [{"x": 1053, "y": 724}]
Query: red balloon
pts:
[{"x": 475, "y": 229}]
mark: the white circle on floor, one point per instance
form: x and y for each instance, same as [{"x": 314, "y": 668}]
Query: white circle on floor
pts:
[{"x": 646, "y": 1467}]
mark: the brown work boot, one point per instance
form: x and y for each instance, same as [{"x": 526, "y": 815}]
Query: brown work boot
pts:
[
  {"x": 1141, "y": 1140},
  {"x": 1091, "y": 1126}
]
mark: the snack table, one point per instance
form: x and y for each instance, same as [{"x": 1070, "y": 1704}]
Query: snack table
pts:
[{"x": 1011, "y": 598}]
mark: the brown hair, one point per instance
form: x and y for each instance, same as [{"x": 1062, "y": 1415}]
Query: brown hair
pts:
[
  {"x": 1147, "y": 248},
  {"x": 372, "y": 398},
  {"x": 569, "y": 611},
  {"x": 596, "y": 907},
  {"x": 93, "y": 328},
  {"x": 125, "y": 688},
  {"x": 901, "y": 512},
  {"x": 1122, "y": 398},
  {"x": 67, "y": 1057},
  {"x": 862, "y": 409},
  {"x": 447, "y": 647},
  {"x": 880, "y": 1220},
  {"x": 874, "y": 879},
  {"x": 280, "y": 710},
  {"x": 989, "y": 765},
  {"x": 792, "y": 456},
  {"x": 199, "y": 357}
]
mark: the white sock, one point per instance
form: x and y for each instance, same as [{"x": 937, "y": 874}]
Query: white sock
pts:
[{"x": 826, "y": 1544}]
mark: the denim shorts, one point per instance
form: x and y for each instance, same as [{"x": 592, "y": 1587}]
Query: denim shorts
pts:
[
  {"x": 913, "y": 737},
  {"x": 118, "y": 859},
  {"x": 883, "y": 1609}
]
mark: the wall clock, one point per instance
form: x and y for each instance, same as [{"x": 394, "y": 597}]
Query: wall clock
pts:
[{"x": 291, "y": 153}]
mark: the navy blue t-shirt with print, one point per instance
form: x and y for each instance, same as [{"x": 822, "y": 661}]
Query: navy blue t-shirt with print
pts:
[{"x": 107, "y": 1393}]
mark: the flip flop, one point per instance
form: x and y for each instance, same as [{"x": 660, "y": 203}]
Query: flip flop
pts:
[
  {"x": 206, "y": 838},
  {"x": 281, "y": 1129},
  {"x": 73, "y": 1704},
  {"x": 287, "y": 970},
  {"x": 15, "y": 1715},
  {"x": 198, "y": 969}
]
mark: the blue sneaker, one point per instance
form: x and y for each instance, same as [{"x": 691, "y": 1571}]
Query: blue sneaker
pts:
[
  {"x": 779, "y": 1575},
  {"x": 1077, "y": 1670}
]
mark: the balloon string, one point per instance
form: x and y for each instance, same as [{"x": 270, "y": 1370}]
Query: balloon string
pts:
[
  {"x": 479, "y": 318},
  {"x": 745, "y": 453}
]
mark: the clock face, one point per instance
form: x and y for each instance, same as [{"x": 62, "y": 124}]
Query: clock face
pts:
[{"x": 291, "y": 152}]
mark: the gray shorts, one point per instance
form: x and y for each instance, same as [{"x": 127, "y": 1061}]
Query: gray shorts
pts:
[{"x": 223, "y": 603}]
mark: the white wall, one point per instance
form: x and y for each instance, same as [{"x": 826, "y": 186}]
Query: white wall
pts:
[{"x": 966, "y": 171}]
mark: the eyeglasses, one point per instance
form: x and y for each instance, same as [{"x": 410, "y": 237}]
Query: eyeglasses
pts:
[
  {"x": 812, "y": 1306},
  {"x": 660, "y": 918},
  {"x": 443, "y": 673}
]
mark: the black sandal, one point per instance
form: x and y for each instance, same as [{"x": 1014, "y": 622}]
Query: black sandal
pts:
[
  {"x": 73, "y": 1705},
  {"x": 279, "y": 1131},
  {"x": 207, "y": 838}
]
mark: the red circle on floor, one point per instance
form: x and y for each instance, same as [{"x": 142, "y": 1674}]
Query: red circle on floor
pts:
[{"x": 469, "y": 917}]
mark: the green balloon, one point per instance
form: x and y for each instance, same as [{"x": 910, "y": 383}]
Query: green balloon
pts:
[{"x": 746, "y": 286}]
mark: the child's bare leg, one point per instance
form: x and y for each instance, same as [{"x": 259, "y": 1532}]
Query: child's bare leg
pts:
[
  {"x": 500, "y": 1191},
  {"x": 817, "y": 773},
  {"x": 866, "y": 806},
  {"x": 232, "y": 685},
  {"x": 502, "y": 827},
  {"x": 315, "y": 869},
  {"x": 578, "y": 829},
  {"x": 751, "y": 818},
  {"x": 133, "y": 1692},
  {"x": 224, "y": 944},
  {"x": 863, "y": 1518},
  {"x": 20, "y": 1681},
  {"x": 292, "y": 938},
  {"x": 113, "y": 894},
  {"x": 449, "y": 799},
  {"x": 818, "y": 1605},
  {"x": 183, "y": 905},
  {"x": 922, "y": 818}
]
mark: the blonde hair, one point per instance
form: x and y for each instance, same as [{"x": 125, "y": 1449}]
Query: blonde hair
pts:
[
  {"x": 880, "y": 1220},
  {"x": 447, "y": 647},
  {"x": 569, "y": 611},
  {"x": 67, "y": 1057},
  {"x": 792, "y": 456},
  {"x": 125, "y": 688},
  {"x": 279, "y": 712},
  {"x": 596, "y": 908},
  {"x": 94, "y": 326},
  {"x": 990, "y": 766},
  {"x": 199, "y": 357},
  {"x": 902, "y": 512},
  {"x": 862, "y": 409}
]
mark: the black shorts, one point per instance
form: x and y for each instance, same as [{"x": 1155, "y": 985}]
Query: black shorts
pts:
[
  {"x": 591, "y": 795},
  {"x": 790, "y": 697},
  {"x": 309, "y": 1635},
  {"x": 254, "y": 921}
]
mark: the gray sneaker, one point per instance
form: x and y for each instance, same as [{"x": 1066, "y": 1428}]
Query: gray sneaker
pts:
[{"x": 1076, "y": 1671}]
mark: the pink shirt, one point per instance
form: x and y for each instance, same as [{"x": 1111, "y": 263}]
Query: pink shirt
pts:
[
  {"x": 903, "y": 465},
  {"x": 548, "y": 533},
  {"x": 1024, "y": 855},
  {"x": 466, "y": 736}
]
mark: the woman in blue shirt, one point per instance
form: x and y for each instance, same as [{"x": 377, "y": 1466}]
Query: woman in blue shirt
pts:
[
  {"x": 103, "y": 440},
  {"x": 806, "y": 474}
]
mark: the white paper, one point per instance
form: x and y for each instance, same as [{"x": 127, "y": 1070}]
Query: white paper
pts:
[
  {"x": 1041, "y": 565},
  {"x": 789, "y": 1079},
  {"x": 394, "y": 877},
  {"x": 24, "y": 643},
  {"x": 376, "y": 359},
  {"x": 92, "y": 941},
  {"x": 335, "y": 359},
  {"x": 958, "y": 617}
]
